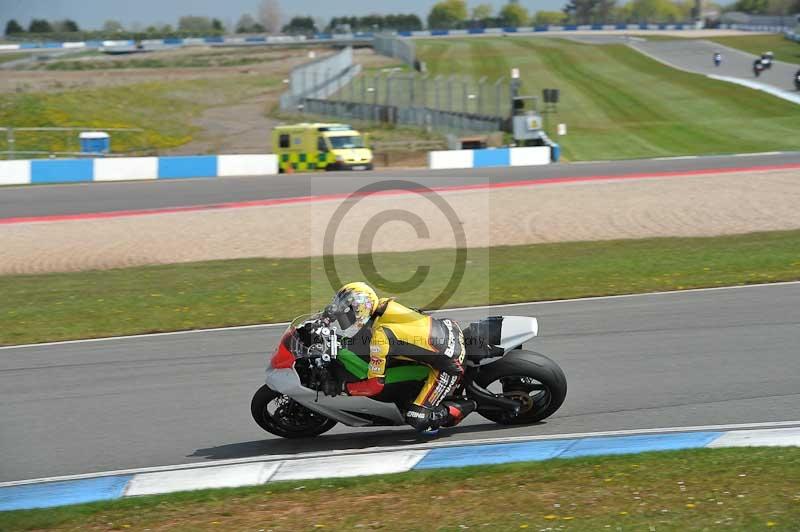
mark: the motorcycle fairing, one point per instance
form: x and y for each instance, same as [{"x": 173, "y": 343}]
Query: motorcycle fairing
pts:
[
  {"x": 343, "y": 408},
  {"x": 358, "y": 367},
  {"x": 489, "y": 339}
]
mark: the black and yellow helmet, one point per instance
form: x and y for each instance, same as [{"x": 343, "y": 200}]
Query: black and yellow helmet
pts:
[{"x": 351, "y": 308}]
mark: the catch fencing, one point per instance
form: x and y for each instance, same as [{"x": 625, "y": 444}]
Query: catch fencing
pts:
[
  {"x": 424, "y": 117},
  {"x": 394, "y": 96},
  {"x": 319, "y": 79},
  {"x": 392, "y": 46},
  {"x": 446, "y": 104},
  {"x": 335, "y": 86},
  {"x": 446, "y": 93}
]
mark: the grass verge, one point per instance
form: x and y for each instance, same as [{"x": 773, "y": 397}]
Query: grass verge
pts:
[
  {"x": 163, "y": 109},
  {"x": 223, "y": 57},
  {"x": 783, "y": 48},
  {"x": 50, "y": 307},
  {"x": 620, "y": 104},
  {"x": 8, "y": 57},
  {"x": 736, "y": 489}
]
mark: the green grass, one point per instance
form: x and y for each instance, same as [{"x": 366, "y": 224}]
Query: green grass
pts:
[
  {"x": 49, "y": 307},
  {"x": 618, "y": 103},
  {"x": 783, "y": 48},
  {"x": 705, "y": 489},
  {"x": 8, "y": 57},
  {"x": 164, "y": 109},
  {"x": 214, "y": 59}
]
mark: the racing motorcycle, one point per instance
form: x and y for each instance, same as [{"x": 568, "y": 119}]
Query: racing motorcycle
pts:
[
  {"x": 758, "y": 67},
  {"x": 797, "y": 80},
  {"x": 302, "y": 394}
]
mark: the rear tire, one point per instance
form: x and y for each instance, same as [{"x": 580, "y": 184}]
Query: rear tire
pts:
[
  {"x": 289, "y": 419},
  {"x": 521, "y": 373}
]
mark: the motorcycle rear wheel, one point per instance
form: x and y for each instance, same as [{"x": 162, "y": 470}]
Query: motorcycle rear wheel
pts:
[
  {"x": 285, "y": 417},
  {"x": 527, "y": 376}
]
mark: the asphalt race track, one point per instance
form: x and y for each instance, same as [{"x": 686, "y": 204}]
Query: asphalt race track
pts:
[
  {"x": 697, "y": 56},
  {"x": 676, "y": 359},
  {"x": 44, "y": 200}
]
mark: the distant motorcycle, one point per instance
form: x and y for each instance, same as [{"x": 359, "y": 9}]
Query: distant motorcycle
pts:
[
  {"x": 766, "y": 59},
  {"x": 758, "y": 67},
  {"x": 797, "y": 80},
  {"x": 717, "y": 59}
]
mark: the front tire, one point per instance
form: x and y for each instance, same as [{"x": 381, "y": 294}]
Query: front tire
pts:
[
  {"x": 282, "y": 416},
  {"x": 527, "y": 376}
]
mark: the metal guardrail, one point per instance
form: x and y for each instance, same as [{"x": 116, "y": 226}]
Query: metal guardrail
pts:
[
  {"x": 408, "y": 145},
  {"x": 76, "y": 154},
  {"x": 11, "y": 138}
]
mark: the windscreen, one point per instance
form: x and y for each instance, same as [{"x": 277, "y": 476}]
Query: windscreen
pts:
[
  {"x": 302, "y": 319},
  {"x": 354, "y": 141}
]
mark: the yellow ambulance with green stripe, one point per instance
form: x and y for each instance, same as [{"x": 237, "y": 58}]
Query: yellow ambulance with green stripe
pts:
[{"x": 309, "y": 147}]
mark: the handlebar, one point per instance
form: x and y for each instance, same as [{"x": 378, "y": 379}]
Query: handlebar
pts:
[{"x": 322, "y": 343}]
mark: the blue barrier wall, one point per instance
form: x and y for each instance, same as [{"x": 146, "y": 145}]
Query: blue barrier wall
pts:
[
  {"x": 62, "y": 171},
  {"x": 495, "y": 157},
  {"x": 181, "y": 167},
  {"x": 41, "y": 171}
]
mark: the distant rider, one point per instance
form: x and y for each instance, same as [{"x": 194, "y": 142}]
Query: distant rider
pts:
[
  {"x": 758, "y": 67},
  {"x": 717, "y": 59},
  {"x": 401, "y": 333}
]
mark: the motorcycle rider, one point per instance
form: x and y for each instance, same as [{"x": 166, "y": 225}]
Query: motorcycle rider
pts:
[
  {"x": 399, "y": 332},
  {"x": 758, "y": 67},
  {"x": 797, "y": 80},
  {"x": 717, "y": 59}
]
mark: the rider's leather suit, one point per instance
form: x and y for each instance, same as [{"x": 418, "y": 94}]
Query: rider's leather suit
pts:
[{"x": 404, "y": 333}]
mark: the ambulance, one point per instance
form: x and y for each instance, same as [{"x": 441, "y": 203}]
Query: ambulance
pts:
[{"x": 309, "y": 147}]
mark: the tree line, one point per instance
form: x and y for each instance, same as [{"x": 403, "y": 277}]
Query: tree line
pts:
[
  {"x": 188, "y": 26},
  {"x": 445, "y": 14},
  {"x": 453, "y": 14}
]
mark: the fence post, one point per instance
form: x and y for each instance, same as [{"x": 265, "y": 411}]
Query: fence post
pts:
[
  {"x": 10, "y": 143},
  {"x": 450, "y": 93},
  {"x": 481, "y": 83},
  {"x": 498, "y": 90},
  {"x": 388, "y": 98},
  {"x": 364, "y": 88},
  {"x": 464, "y": 95},
  {"x": 436, "y": 83}
]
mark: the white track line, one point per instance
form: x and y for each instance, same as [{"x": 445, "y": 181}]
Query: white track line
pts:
[
  {"x": 458, "y": 309},
  {"x": 408, "y": 447}
]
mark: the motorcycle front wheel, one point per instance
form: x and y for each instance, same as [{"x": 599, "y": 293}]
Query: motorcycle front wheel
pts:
[
  {"x": 283, "y": 416},
  {"x": 528, "y": 377}
]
